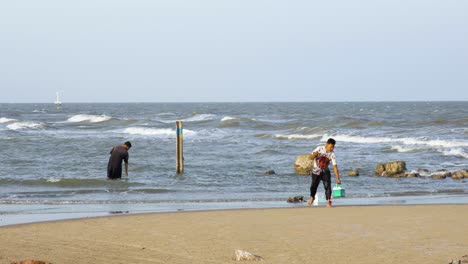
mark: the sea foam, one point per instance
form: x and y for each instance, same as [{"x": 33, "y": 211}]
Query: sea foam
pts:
[
  {"x": 6, "y": 120},
  {"x": 195, "y": 118},
  {"x": 25, "y": 125},
  {"x": 227, "y": 118},
  {"x": 297, "y": 136},
  {"x": 456, "y": 152},
  {"x": 399, "y": 148},
  {"x": 200, "y": 117},
  {"x": 406, "y": 141},
  {"x": 145, "y": 131},
  {"x": 89, "y": 118}
]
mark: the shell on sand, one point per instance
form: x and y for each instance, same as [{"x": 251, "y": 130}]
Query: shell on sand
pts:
[{"x": 244, "y": 255}]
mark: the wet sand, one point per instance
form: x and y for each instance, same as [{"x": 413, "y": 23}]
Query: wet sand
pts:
[{"x": 347, "y": 234}]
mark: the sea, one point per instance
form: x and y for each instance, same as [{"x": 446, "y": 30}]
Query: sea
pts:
[{"x": 54, "y": 158}]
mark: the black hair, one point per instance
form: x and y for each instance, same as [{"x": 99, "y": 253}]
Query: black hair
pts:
[
  {"x": 128, "y": 144},
  {"x": 331, "y": 141}
]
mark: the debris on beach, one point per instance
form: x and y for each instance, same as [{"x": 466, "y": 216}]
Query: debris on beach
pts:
[
  {"x": 296, "y": 199},
  {"x": 31, "y": 262},
  {"x": 463, "y": 260},
  {"x": 241, "y": 255},
  {"x": 118, "y": 212}
]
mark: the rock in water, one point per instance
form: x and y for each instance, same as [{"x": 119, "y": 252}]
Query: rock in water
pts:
[
  {"x": 391, "y": 169},
  {"x": 458, "y": 175},
  {"x": 244, "y": 255},
  {"x": 353, "y": 172}
]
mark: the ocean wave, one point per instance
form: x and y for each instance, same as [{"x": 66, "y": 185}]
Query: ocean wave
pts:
[
  {"x": 154, "y": 201},
  {"x": 228, "y": 118},
  {"x": 229, "y": 121},
  {"x": 406, "y": 141},
  {"x": 165, "y": 114},
  {"x": 56, "y": 193},
  {"x": 146, "y": 131},
  {"x": 200, "y": 117},
  {"x": 89, "y": 118},
  {"x": 6, "y": 120},
  {"x": 455, "y": 152},
  {"x": 66, "y": 182},
  {"x": 423, "y": 193},
  {"x": 195, "y": 118},
  {"x": 25, "y": 125},
  {"x": 297, "y": 136},
  {"x": 398, "y": 148}
]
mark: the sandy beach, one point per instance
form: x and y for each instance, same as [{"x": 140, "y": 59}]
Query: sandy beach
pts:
[{"x": 348, "y": 234}]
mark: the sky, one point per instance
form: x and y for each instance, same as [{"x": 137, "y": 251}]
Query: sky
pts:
[{"x": 233, "y": 51}]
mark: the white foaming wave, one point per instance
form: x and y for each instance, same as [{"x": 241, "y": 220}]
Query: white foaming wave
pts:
[
  {"x": 435, "y": 143},
  {"x": 146, "y": 131},
  {"x": 358, "y": 139},
  {"x": 149, "y": 131},
  {"x": 297, "y": 136},
  {"x": 456, "y": 152},
  {"x": 6, "y": 120},
  {"x": 195, "y": 118},
  {"x": 25, "y": 125},
  {"x": 227, "y": 118},
  {"x": 200, "y": 117},
  {"x": 89, "y": 118},
  {"x": 402, "y": 149},
  {"x": 406, "y": 141},
  {"x": 53, "y": 180}
]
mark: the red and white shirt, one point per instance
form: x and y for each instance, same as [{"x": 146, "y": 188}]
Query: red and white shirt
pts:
[{"x": 323, "y": 159}]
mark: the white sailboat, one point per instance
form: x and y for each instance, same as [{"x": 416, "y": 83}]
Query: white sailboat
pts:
[{"x": 57, "y": 100}]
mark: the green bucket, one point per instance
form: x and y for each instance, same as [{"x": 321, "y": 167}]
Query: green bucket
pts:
[{"x": 338, "y": 191}]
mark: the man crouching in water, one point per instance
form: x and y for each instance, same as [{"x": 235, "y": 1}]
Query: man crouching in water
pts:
[
  {"x": 322, "y": 155},
  {"x": 118, "y": 154}
]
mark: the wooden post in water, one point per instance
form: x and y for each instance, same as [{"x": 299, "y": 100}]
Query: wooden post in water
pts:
[{"x": 179, "y": 148}]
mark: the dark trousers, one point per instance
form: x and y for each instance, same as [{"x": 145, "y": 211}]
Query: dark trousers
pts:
[
  {"x": 325, "y": 177},
  {"x": 114, "y": 173}
]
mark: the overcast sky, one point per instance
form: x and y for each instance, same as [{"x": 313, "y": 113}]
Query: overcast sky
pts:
[{"x": 237, "y": 50}]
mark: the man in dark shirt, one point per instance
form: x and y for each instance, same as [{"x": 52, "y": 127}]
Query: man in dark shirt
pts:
[{"x": 114, "y": 167}]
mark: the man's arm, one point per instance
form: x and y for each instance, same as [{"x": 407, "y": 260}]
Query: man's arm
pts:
[
  {"x": 337, "y": 174},
  {"x": 126, "y": 169},
  {"x": 313, "y": 155}
]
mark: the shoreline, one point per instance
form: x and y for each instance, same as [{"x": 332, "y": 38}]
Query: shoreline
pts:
[
  {"x": 20, "y": 218},
  {"x": 344, "y": 234}
]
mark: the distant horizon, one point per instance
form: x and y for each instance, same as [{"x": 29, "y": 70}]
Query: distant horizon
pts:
[{"x": 237, "y": 102}]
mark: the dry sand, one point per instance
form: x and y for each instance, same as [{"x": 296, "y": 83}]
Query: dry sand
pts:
[{"x": 351, "y": 234}]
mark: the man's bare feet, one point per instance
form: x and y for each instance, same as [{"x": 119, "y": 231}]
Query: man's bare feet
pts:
[
  {"x": 329, "y": 204},
  {"x": 311, "y": 201}
]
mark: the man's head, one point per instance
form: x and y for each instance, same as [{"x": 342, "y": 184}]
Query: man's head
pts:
[
  {"x": 330, "y": 145},
  {"x": 128, "y": 144}
]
